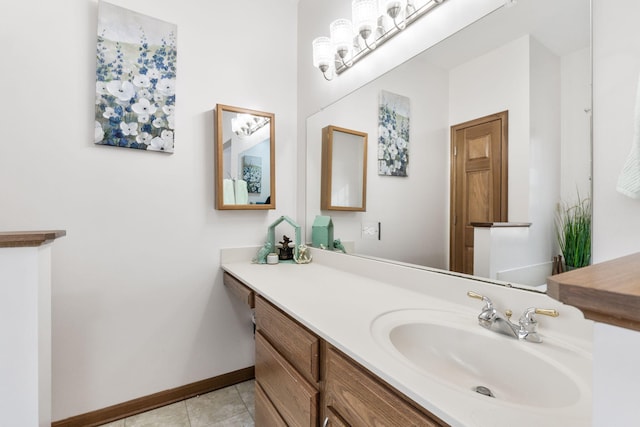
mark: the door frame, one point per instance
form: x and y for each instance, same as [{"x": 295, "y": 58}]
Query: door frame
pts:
[{"x": 503, "y": 116}]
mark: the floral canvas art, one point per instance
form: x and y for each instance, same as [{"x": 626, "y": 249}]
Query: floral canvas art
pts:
[
  {"x": 135, "y": 80},
  {"x": 393, "y": 134}
]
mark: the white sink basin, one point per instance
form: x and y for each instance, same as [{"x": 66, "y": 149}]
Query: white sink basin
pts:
[{"x": 453, "y": 349}]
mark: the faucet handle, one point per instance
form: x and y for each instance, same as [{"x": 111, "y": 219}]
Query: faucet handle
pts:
[
  {"x": 547, "y": 312},
  {"x": 474, "y": 295},
  {"x": 487, "y": 301},
  {"x": 527, "y": 316},
  {"x": 529, "y": 325}
]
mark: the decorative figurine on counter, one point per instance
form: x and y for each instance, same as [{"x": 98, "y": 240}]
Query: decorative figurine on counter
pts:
[
  {"x": 285, "y": 248},
  {"x": 338, "y": 246},
  {"x": 261, "y": 257},
  {"x": 304, "y": 257}
]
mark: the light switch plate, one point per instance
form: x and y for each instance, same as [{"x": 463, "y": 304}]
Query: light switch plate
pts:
[{"x": 371, "y": 230}]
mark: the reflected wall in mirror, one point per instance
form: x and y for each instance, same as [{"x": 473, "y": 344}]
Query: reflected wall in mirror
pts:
[
  {"x": 532, "y": 59},
  {"x": 344, "y": 170},
  {"x": 245, "y": 158}
]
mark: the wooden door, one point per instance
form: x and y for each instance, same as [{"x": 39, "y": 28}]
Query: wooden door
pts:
[{"x": 478, "y": 183}]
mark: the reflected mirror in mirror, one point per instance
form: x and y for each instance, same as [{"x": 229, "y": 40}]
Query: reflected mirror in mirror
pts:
[
  {"x": 245, "y": 158},
  {"x": 531, "y": 59},
  {"x": 344, "y": 170}
]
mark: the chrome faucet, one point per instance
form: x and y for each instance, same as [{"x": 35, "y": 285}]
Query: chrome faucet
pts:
[{"x": 525, "y": 329}]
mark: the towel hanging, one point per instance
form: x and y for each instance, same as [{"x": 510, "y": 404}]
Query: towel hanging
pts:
[{"x": 629, "y": 179}]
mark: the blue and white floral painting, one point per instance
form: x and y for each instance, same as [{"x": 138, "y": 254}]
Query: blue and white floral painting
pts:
[
  {"x": 393, "y": 134},
  {"x": 135, "y": 80}
]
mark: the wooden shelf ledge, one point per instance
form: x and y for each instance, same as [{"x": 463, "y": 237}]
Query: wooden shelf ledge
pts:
[
  {"x": 607, "y": 292},
  {"x": 18, "y": 239},
  {"x": 500, "y": 224}
]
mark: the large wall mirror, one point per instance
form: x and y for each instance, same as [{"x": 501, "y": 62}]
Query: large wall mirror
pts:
[
  {"x": 344, "y": 170},
  {"x": 245, "y": 158},
  {"x": 532, "y": 59}
]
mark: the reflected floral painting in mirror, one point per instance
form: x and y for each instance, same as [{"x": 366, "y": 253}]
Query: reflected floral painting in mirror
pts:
[
  {"x": 393, "y": 134},
  {"x": 135, "y": 80},
  {"x": 252, "y": 173}
]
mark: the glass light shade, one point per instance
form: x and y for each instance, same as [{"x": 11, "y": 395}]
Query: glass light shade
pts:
[
  {"x": 365, "y": 16},
  {"x": 341, "y": 36},
  {"x": 241, "y": 123},
  {"x": 323, "y": 53},
  {"x": 394, "y": 8}
]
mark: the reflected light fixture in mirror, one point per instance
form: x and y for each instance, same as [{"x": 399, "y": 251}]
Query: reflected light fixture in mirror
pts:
[{"x": 351, "y": 42}]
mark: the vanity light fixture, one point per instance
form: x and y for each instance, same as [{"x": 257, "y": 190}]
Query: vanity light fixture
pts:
[
  {"x": 365, "y": 20},
  {"x": 247, "y": 124},
  {"x": 374, "y": 22}
]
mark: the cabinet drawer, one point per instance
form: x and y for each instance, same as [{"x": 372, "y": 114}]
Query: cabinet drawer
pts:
[
  {"x": 295, "y": 399},
  {"x": 362, "y": 400},
  {"x": 298, "y": 345},
  {"x": 238, "y": 289},
  {"x": 266, "y": 414}
]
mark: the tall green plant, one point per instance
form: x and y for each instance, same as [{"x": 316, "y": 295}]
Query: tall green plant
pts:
[{"x": 573, "y": 228}]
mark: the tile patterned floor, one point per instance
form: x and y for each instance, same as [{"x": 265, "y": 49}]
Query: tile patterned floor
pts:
[{"x": 228, "y": 407}]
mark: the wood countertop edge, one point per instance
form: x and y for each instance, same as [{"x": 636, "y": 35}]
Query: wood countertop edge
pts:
[
  {"x": 19, "y": 239},
  {"x": 607, "y": 292}
]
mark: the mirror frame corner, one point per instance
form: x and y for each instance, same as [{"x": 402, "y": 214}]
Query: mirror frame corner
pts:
[{"x": 219, "y": 142}]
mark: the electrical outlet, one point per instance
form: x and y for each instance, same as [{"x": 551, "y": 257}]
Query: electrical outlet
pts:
[{"x": 371, "y": 230}]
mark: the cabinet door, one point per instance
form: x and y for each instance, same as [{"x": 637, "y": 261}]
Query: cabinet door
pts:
[
  {"x": 238, "y": 289},
  {"x": 295, "y": 399},
  {"x": 361, "y": 400}
]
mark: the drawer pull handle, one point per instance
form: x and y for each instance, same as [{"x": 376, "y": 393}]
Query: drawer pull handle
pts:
[{"x": 326, "y": 422}]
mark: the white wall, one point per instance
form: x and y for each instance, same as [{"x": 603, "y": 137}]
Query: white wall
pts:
[
  {"x": 138, "y": 302},
  {"x": 616, "y": 66},
  {"x": 616, "y": 218},
  {"x": 575, "y": 155},
  {"x": 544, "y": 151}
]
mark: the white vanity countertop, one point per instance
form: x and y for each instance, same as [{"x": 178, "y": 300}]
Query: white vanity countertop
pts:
[{"x": 338, "y": 297}]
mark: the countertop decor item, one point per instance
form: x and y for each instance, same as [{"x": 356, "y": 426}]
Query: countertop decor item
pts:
[
  {"x": 272, "y": 258},
  {"x": 285, "y": 248},
  {"x": 322, "y": 231},
  {"x": 261, "y": 256},
  {"x": 271, "y": 235},
  {"x": 304, "y": 257}
]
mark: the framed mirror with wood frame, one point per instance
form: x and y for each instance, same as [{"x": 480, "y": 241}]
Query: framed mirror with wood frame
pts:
[
  {"x": 245, "y": 158},
  {"x": 344, "y": 170}
]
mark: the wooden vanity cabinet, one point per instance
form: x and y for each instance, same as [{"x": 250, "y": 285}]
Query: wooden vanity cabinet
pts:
[
  {"x": 303, "y": 381},
  {"x": 287, "y": 369},
  {"x": 354, "y": 397}
]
